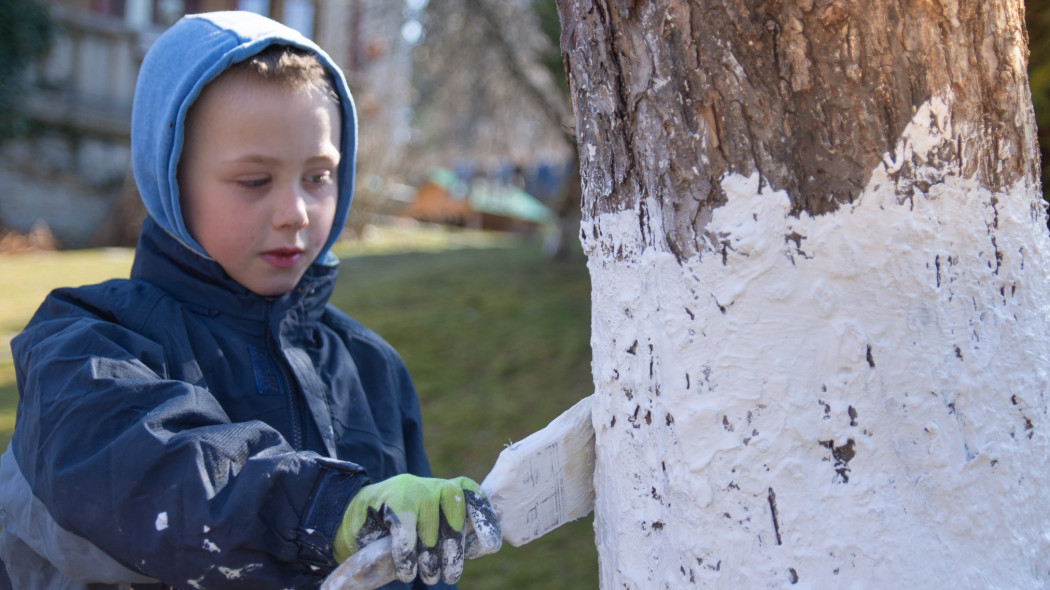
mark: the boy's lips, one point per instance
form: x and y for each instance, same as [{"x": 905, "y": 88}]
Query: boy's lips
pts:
[{"x": 282, "y": 257}]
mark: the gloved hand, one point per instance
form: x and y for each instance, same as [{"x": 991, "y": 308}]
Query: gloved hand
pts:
[{"x": 409, "y": 509}]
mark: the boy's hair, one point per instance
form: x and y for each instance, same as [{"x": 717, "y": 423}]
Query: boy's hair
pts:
[
  {"x": 289, "y": 66},
  {"x": 286, "y": 66}
]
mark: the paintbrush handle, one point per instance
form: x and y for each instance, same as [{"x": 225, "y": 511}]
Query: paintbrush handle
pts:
[{"x": 369, "y": 568}]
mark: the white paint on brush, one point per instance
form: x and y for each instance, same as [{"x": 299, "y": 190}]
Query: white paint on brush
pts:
[{"x": 853, "y": 400}]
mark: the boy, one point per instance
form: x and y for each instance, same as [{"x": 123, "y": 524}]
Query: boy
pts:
[{"x": 212, "y": 422}]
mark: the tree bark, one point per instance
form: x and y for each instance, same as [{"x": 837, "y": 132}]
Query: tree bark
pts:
[
  {"x": 820, "y": 274},
  {"x": 812, "y": 94}
]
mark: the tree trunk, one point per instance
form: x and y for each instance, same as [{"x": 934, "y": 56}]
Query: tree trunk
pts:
[{"x": 820, "y": 282}]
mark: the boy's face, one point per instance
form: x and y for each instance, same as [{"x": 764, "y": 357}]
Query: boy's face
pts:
[{"x": 258, "y": 179}]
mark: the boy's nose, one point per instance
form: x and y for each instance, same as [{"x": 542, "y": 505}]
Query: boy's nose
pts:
[{"x": 291, "y": 209}]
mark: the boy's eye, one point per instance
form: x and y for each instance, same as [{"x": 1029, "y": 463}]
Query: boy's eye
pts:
[
  {"x": 254, "y": 181},
  {"x": 319, "y": 177}
]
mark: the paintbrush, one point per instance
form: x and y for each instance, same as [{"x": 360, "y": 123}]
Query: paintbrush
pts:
[{"x": 536, "y": 485}]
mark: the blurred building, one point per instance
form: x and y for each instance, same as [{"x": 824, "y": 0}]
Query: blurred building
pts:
[
  {"x": 71, "y": 168},
  {"x": 477, "y": 203}
]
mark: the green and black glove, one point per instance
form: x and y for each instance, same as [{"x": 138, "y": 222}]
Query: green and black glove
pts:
[{"x": 410, "y": 509}]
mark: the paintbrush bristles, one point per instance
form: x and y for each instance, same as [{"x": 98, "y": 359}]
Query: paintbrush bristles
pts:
[{"x": 546, "y": 479}]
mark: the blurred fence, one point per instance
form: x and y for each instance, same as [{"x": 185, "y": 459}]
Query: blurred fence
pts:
[
  {"x": 66, "y": 174},
  {"x": 88, "y": 78}
]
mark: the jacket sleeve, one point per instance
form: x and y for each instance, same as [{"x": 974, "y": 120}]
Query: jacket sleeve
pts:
[{"x": 154, "y": 473}]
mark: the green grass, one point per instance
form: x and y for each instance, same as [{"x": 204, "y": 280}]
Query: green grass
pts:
[
  {"x": 28, "y": 279},
  {"x": 497, "y": 341},
  {"x": 8, "y": 399},
  {"x": 495, "y": 335}
]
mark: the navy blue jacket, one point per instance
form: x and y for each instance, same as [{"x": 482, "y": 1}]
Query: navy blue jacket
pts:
[{"x": 177, "y": 427}]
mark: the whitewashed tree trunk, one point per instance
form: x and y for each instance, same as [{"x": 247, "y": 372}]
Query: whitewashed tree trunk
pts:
[{"x": 820, "y": 292}]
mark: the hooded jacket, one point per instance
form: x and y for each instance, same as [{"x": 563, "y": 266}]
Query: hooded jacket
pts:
[{"x": 176, "y": 430}]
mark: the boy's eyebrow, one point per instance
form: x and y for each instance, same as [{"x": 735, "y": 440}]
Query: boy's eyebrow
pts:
[
  {"x": 251, "y": 159},
  {"x": 268, "y": 160},
  {"x": 333, "y": 158}
]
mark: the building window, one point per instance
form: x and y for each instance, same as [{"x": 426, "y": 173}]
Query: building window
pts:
[
  {"x": 299, "y": 15},
  {"x": 257, "y": 6},
  {"x": 109, "y": 7}
]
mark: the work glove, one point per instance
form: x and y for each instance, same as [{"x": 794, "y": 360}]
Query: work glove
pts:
[{"x": 410, "y": 509}]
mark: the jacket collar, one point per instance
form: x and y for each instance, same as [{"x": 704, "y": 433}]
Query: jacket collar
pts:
[{"x": 197, "y": 280}]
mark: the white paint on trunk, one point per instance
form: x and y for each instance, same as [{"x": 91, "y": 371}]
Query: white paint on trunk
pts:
[{"x": 857, "y": 400}]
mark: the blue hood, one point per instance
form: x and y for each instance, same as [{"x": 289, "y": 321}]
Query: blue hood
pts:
[{"x": 193, "y": 52}]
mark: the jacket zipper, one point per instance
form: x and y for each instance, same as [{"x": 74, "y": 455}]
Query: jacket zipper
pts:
[{"x": 287, "y": 383}]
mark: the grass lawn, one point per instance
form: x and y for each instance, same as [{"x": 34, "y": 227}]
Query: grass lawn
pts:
[
  {"x": 27, "y": 280},
  {"x": 495, "y": 335}
]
